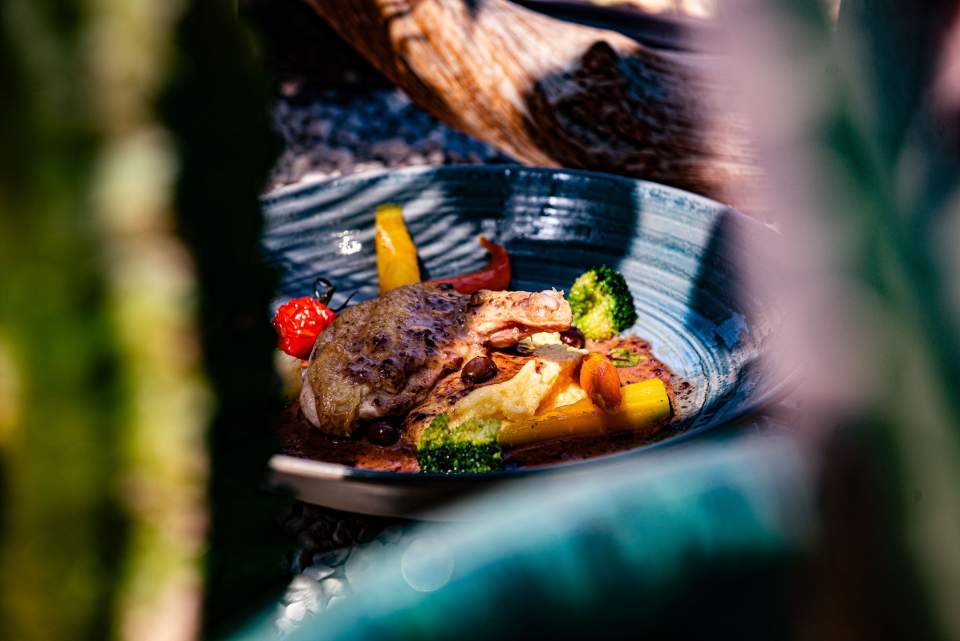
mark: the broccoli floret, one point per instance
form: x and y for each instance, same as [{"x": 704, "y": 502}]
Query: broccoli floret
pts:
[
  {"x": 601, "y": 303},
  {"x": 471, "y": 446}
]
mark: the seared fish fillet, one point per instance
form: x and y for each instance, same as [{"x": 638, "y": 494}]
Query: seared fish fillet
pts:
[{"x": 384, "y": 356}]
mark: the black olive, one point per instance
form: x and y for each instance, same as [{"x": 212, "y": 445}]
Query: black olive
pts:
[
  {"x": 382, "y": 433},
  {"x": 478, "y": 370},
  {"x": 573, "y": 337}
]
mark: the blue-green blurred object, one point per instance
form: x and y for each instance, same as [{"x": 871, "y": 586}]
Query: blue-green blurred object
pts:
[{"x": 687, "y": 543}]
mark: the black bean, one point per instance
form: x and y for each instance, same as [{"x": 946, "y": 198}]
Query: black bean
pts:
[
  {"x": 573, "y": 337},
  {"x": 382, "y": 433},
  {"x": 478, "y": 370}
]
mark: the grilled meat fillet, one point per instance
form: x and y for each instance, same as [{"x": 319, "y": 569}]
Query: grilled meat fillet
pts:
[{"x": 384, "y": 356}]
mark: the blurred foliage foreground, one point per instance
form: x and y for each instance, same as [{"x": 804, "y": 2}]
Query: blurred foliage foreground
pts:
[
  {"x": 135, "y": 141},
  {"x": 135, "y": 373}
]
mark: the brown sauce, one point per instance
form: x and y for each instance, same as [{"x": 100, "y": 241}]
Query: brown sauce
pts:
[{"x": 299, "y": 438}]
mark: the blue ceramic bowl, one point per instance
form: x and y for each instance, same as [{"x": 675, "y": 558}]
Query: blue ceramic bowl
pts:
[{"x": 679, "y": 253}]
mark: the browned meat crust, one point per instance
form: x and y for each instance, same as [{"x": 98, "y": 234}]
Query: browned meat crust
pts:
[{"x": 384, "y": 356}]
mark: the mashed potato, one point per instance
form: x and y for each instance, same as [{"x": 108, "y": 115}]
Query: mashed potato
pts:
[{"x": 544, "y": 382}]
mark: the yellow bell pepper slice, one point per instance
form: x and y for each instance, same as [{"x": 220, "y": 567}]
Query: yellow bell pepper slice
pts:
[
  {"x": 396, "y": 253},
  {"x": 645, "y": 408}
]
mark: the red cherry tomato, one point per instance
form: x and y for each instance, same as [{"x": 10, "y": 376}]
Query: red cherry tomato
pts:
[{"x": 299, "y": 321}]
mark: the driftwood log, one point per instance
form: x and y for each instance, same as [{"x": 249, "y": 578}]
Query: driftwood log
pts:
[{"x": 552, "y": 93}]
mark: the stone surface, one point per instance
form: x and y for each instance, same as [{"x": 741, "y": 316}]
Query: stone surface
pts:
[{"x": 340, "y": 131}]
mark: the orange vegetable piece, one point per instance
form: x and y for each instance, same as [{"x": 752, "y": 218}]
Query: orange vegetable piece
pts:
[
  {"x": 396, "y": 253},
  {"x": 601, "y": 381}
]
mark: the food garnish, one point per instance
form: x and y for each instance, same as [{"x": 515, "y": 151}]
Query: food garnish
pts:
[
  {"x": 601, "y": 303},
  {"x": 644, "y": 409},
  {"x": 495, "y": 276},
  {"x": 623, "y": 357},
  {"x": 573, "y": 337},
  {"x": 600, "y": 380},
  {"x": 479, "y": 369},
  {"x": 381, "y": 432},
  {"x": 471, "y": 446},
  {"x": 396, "y": 253},
  {"x": 298, "y": 322}
]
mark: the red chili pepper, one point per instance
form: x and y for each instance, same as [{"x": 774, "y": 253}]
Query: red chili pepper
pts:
[{"x": 494, "y": 276}]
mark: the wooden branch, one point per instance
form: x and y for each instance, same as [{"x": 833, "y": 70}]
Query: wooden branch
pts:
[{"x": 551, "y": 93}]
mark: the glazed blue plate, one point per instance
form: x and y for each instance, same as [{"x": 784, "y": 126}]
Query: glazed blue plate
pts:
[{"x": 680, "y": 254}]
